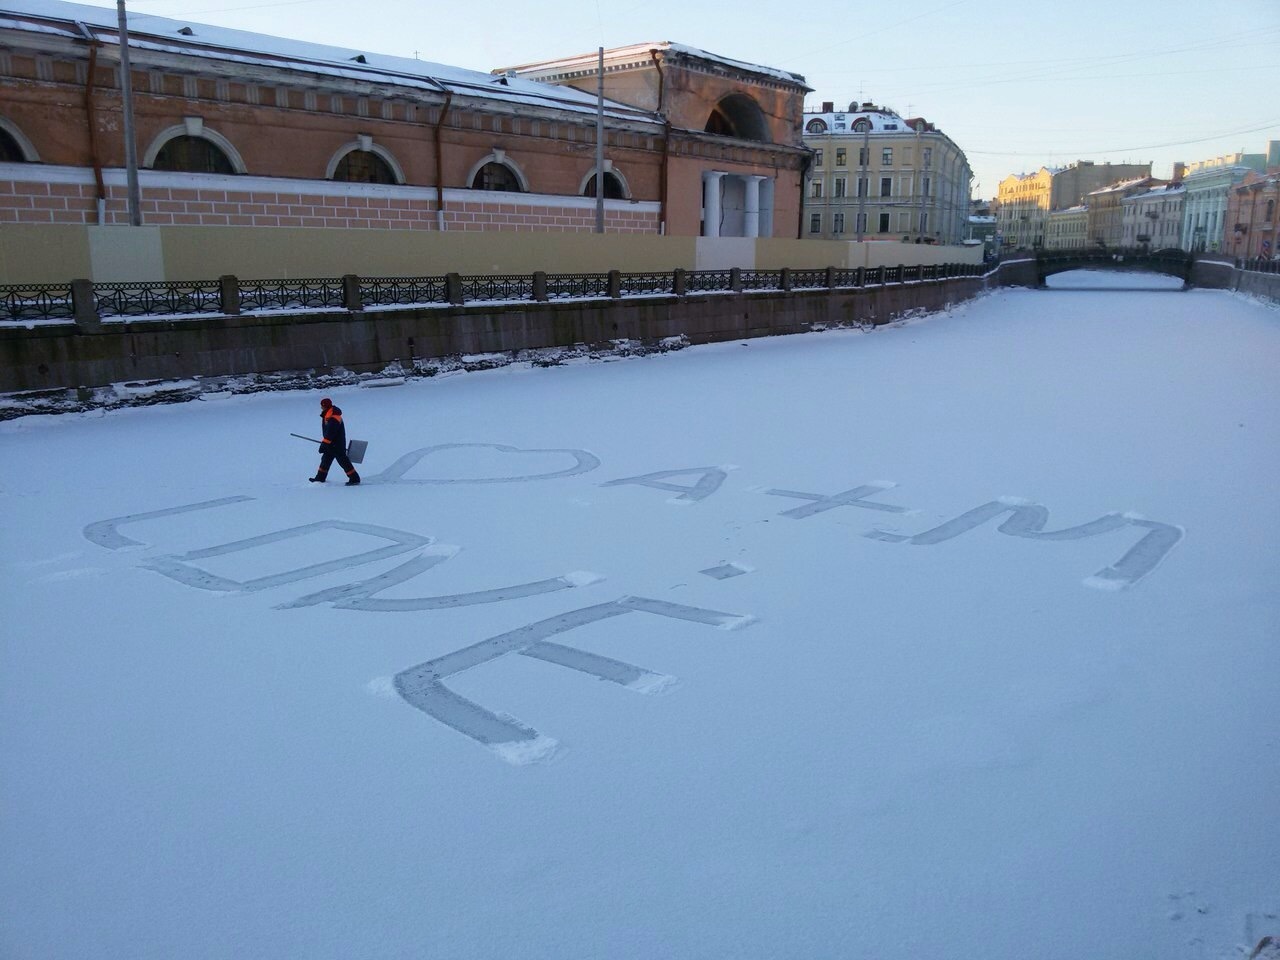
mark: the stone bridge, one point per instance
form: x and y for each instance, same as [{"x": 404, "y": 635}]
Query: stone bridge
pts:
[{"x": 1172, "y": 261}]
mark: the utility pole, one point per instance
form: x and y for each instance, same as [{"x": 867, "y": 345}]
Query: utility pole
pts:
[
  {"x": 130, "y": 142},
  {"x": 599, "y": 145}
]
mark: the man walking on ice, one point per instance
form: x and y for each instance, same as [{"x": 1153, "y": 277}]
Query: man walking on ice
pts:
[{"x": 334, "y": 445}]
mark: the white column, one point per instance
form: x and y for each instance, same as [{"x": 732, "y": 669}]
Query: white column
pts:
[
  {"x": 711, "y": 203},
  {"x": 751, "y": 207}
]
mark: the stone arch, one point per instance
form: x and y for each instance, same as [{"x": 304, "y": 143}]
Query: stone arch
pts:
[
  {"x": 477, "y": 174},
  {"x": 737, "y": 115},
  {"x": 194, "y": 127},
  {"x": 365, "y": 144},
  {"x": 615, "y": 184},
  {"x": 14, "y": 141}
]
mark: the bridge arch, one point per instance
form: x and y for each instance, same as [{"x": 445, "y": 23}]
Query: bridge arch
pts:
[{"x": 1173, "y": 261}]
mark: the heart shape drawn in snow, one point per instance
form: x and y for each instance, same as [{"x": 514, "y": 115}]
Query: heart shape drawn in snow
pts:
[{"x": 583, "y": 462}]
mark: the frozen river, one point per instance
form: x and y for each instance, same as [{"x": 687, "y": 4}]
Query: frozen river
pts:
[{"x": 958, "y": 638}]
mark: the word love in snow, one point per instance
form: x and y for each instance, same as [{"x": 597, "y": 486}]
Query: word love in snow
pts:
[{"x": 424, "y": 686}]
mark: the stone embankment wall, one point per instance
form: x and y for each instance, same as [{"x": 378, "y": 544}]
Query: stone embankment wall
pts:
[{"x": 58, "y": 356}]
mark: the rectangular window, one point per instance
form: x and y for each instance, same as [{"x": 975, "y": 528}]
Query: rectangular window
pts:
[
  {"x": 817, "y": 158},
  {"x": 838, "y": 225},
  {"x": 864, "y": 156},
  {"x": 862, "y": 223},
  {"x": 862, "y": 186},
  {"x": 928, "y": 156},
  {"x": 886, "y": 157},
  {"x": 815, "y": 188},
  {"x": 841, "y": 158},
  {"x": 886, "y": 186},
  {"x": 840, "y": 184},
  {"x": 884, "y": 223},
  {"x": 815, "y": 223},
  {"x": 924, "y": 223},
  {"x": 924, "y": 186}
]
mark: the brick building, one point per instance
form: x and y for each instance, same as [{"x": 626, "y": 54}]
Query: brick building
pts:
[
  {"x": 239, "y": 129},
  {"x": 1253, "y": 216}
]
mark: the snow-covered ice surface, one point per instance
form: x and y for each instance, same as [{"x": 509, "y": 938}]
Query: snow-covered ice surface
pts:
[{"x": 959, "y": 638}]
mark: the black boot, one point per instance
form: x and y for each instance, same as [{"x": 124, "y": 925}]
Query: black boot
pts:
[
  {"x": 353, "y": 480},
  {"x": 316, "y": 479}
]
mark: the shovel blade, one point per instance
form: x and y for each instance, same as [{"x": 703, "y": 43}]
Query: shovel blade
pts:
[{"x": 356, "y": 449}]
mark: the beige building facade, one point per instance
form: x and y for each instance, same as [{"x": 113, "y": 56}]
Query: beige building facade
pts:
[
  {"x": 1106, "y": 213},
  {"x": 875, "y": 175},
  {"x": 1152, "y": 219},
  {"x": 1067, "y": 229}
]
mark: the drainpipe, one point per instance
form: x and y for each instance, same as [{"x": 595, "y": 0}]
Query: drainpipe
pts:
[
  {"x": 91, "y": 111},
  {"x": 444, "y": 112},
  {"x": 666, "y": 142},
  {"x": 130, "y": 140}
]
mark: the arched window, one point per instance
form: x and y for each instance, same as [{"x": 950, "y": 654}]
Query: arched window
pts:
[
  {"x": 816, "y": 126},
  {"x": 861, "y": 125},
  {"x": 14, "y": 146},
  {"x": 613, "y": 188},
  {"x": 496, "y": 176},
  {"x": 737, "y": 115},
  {"x": 10, "y": 152},
  {"x": 188, "y": 154},
  {"x": 363, "y": 166}
]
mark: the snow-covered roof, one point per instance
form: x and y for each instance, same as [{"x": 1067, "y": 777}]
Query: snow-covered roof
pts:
[
  {"x": 189, "y": 38},
  {"x": 587, "y": 61},
  {"x": 1157, "y": 193},
  {"x": 882, "y": 119},
  {"x": 1121, "y": 186}
]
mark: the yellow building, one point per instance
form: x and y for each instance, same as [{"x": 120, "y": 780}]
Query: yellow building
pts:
[
  {"x": 877, "y": 176},
  {"x": 1067, "y": 229},
  {"x": 1024, "y": 200}
]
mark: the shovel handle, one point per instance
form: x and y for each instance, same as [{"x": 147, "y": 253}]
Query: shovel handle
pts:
[{"x": 301, "y": 437}]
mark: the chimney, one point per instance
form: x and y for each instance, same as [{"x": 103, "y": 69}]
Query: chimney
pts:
[
  {"x": 828, "y": 106},
  {"x": 1179, "y": 171}
]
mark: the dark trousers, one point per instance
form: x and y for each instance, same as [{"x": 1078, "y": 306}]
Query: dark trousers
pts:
[{"x": 327, "y": 458}]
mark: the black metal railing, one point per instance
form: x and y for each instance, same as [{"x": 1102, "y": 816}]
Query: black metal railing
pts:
[
  {"x": 808, "y": 279},
  {"x": 83, "y": 301},
  {"x": 158, "y": 298},
  {"x": 1259, "y": 265},
  {"x": 709, "y": 281},
  {"x": 515, "y": 286},
  {"x": 36, "y": 301},
  {"x": 263, "y": 295},
  {"x": 388, "y": 291},
  {"x": 645, "y": 284},
  {"x": 562, "y": 285}
]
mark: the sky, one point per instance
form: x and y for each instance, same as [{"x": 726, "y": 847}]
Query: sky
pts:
[
  {"x": 657, "y": 657},
  {"x": 1015, "y": 87}
]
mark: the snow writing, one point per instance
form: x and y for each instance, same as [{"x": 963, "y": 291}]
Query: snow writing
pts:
[{"x": 425, "y": 685}]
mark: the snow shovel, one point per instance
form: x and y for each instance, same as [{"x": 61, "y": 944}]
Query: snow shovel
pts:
[{"x": 355, "y": 448}]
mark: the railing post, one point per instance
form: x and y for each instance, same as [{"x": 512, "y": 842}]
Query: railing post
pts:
[
  {"x": 861, "y": 278},
  {"x": 85, "y": 305},
  {"x": 615, "y": 284},
  {"x": 540, "y": 286},
  {"x": 786, "y": 280},
  {"x": 351, "y": 292},
  {"x": 735, "y": 279},
  {"x": 680, "y": 281},
  {"x": 453, "y": 288},
  {"x": 831, "y": 278},
  {"x": 229, "y": 295}
]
